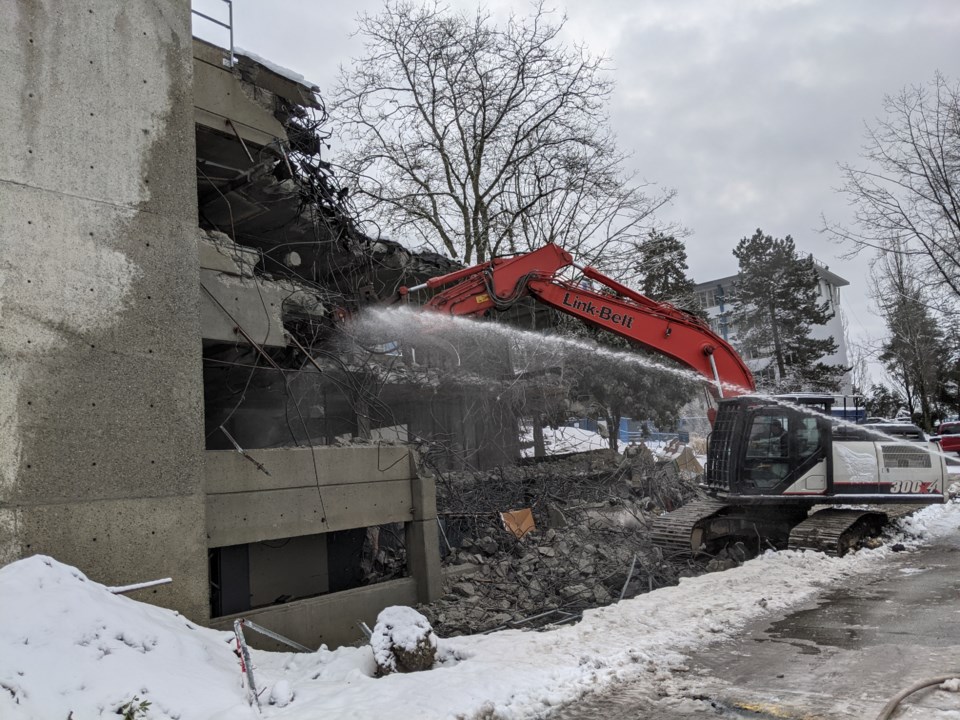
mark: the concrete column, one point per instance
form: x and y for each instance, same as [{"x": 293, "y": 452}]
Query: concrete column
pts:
[
  {"x": 423, "y": 540},
  {"x": 423, "y": 558},
  {"x": 100, "y": 374}
]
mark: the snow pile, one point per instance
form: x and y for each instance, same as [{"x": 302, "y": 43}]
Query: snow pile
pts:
[
  {"x": 950, "y": 685},
  {"x": 403, "y": 640},
  {"x": 563, "y": 440},
  {"x": 67, "y": 644},
  {"x": 934, "y": 521},
  {"x": 281, "y": 695}
]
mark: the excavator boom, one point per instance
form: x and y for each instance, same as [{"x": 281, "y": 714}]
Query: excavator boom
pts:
[{"x": 661, "y": 327}]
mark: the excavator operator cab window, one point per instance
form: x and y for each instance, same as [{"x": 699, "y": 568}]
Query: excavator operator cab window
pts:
[
  {"x": 768, "y": 437},
  {"x": 768, "y": 451},
  {"x": 778, "y": 443},
  {"x": 808, "y": 437}
]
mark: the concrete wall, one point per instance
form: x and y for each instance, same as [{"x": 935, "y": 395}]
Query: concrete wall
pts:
[
  {"x": 329, "y": 619},
  {"x": 221, "y": 103},
  {"x": 309, "y": 490},
  {"x": 100, "y": 379},
  {"x": 322, "y": 490}
]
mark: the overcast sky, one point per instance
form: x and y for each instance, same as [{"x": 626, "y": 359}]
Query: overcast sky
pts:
[{"x": 744, "y": 106}]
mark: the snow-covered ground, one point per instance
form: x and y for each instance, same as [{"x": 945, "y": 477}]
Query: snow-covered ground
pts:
[
  {"x": 562, "y": 440},
  {"x": 68, "y": 645}
]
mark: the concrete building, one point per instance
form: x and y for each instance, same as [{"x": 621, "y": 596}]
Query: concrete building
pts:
[
  {"x": 173, "y": 253},
  {"x": 719, "y": 297}
]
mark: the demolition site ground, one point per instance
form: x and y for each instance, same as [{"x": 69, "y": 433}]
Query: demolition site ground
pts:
[{"x": 590, "y": 546}]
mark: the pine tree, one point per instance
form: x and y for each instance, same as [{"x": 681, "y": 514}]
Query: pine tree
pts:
[
  {"x": 882, "y": 402},
  {"x": 917, "y": 355},
  {"x": 777, "y": 305},
  {"x": 662, "y": 270}
]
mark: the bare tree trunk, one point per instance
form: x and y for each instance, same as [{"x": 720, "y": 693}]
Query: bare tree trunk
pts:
[
  {"x": 539, "y": 447},
  {"x": 613, "y": 430},
  {"x": 777, "y": 346}
]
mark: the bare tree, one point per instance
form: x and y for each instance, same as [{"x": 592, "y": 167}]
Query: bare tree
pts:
[
  {"x": 476, "y": 139},
  {"x": 587, "y": 204},
  {"x": 858, "y": 354},
  {"x": 907, "y": 197}
]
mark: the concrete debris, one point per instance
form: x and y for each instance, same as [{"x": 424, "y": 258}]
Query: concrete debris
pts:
[
  {"x": 489, "y": 545},
  {"x": 555, "y": 517},
  {"x": 600, "y": 595},
  {"x": 681, "y": 459},
  {"x": 572, "y": 592},
  {"x": 463, "y": 589},
  {"x": 593, "y": 513}
]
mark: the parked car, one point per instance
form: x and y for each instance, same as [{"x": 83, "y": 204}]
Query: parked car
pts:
[
  {"x": 948, "y": 435},
  {"x": 901, "y": 430}
]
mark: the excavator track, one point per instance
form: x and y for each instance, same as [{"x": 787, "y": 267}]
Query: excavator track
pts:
[
  {"x": 835, "y": 531},
  {"x": 673, "y": 533}
]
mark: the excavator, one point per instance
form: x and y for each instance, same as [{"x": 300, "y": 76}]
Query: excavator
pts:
[{"x": 770, "y": 461}]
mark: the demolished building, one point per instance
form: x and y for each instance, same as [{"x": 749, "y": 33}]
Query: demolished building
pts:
[
  {"x": 176, "y": 256},
  {"x": 179, "y": 260}
]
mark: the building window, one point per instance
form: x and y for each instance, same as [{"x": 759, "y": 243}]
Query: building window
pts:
[{"x": 712, "y": 297}]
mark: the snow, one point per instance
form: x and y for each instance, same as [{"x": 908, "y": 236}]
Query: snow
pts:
[
  {"x": 68, "y": 644},
  {"x": 402, "y": 627},
  {"x": 281, "y": 695},
  {"x": 273, "y": 67},
  {"x": 562, "y": 440}
]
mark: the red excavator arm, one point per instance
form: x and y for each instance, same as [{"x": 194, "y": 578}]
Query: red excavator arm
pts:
[{"x": 658, "y": 326}]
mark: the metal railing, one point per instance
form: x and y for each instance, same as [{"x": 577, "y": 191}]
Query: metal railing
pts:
[
  {"x": 632, "y": 436},
  {"x": 228, "y": 25}
]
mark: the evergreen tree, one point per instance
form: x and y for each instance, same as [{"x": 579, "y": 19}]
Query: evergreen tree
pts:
[
  {"x": 777, "y": 305},
  {"x": 917, "y": 354},
  {"x": 662, "y": 271},
  {"x": 882, "y": 402}
]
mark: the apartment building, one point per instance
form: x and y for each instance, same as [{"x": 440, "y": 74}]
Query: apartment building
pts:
[{"x": 718, "y": 298}]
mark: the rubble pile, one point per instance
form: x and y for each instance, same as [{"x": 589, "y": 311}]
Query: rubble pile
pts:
[{"x": 592, "y": 513}]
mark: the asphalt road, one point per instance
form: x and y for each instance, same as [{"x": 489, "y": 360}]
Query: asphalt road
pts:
[{"x": 841, "y": 658}]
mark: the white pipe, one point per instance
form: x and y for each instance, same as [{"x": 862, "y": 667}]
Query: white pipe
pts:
[
  {"x": 121, "y": 589},
  {"x": 417, "y": 288},
  {"x": 716, "y": 375}
]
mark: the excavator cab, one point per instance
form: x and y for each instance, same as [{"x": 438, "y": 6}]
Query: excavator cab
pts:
[{"x": 760, "y": 448}]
